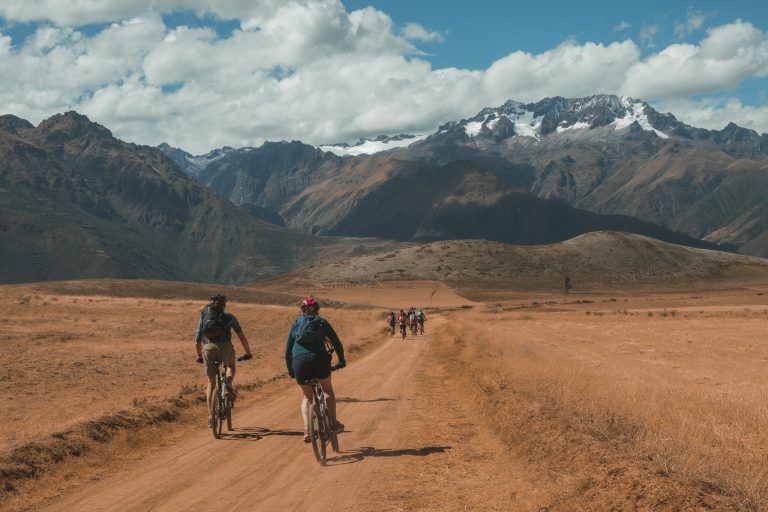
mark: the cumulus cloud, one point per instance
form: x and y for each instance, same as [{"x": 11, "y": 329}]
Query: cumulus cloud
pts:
[
  {"x": 313, "y": 71},
  {"x": 416, "y": 32},
  {"x": 716, "y": 113},
  {"x": 729, "y": 54}
]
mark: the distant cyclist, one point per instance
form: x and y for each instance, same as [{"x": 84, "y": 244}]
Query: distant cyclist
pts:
[
  {"x": 391, "y": 323},
  {"x": 412, "y": 320},
  {"x": 307, "y": 357},
  {"x": 402, "y": 321},
  {"x": 421, "y": 318},
  {"x": 213, "y": 342}
]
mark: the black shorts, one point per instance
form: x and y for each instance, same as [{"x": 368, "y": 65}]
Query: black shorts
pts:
[{"x": 311, "y": 366}]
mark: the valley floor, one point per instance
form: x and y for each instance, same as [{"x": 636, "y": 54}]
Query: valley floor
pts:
[{"x": 618, "y": 401}]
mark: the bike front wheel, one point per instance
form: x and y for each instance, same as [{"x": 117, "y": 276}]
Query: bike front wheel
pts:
[
  {"x": 229, "y": 415},
  {"x": 317, "y": 434}
]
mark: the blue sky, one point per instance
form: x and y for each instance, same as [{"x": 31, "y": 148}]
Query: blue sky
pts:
[
  {"x": 475, "y": 34},
  {"x": 201, "y": 74}
]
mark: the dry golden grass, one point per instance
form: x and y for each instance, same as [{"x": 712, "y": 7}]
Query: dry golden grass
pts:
[
  {"x": 97, "y": 377},
  {"x": 669, "y": 410}
]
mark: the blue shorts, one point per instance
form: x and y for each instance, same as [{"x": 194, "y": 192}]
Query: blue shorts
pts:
[{"x": 311, "y": 366}]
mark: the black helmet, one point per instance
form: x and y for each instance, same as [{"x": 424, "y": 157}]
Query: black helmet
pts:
[{"x": 219, "y": 298}]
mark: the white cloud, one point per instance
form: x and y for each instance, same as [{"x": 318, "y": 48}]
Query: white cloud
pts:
[
  {"x": 416, "y": 32},
  {"x": 716, "y": 113},
  {"x": 729, "y": 54},
  {"x": 647, "y": 35},
  {"x": 694, "y": 21},
  {"x": 313, "y": 71},
  {"x": 624, "y": 25}
]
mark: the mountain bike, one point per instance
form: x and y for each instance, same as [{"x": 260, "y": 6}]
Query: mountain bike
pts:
[
  {"x": 391, "y": 329},
  {"x": 320, "y": 432},
  {"x": 402, "y": 330},
  {"x": 421, "y": 327},
  {"x": 414, "y": 329},
  {"x": 221, "y": 405}
]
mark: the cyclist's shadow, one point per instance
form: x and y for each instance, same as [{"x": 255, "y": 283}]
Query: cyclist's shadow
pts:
[
  {"x": 358, "y": 454},
  {"x": 256, "y": 433}
]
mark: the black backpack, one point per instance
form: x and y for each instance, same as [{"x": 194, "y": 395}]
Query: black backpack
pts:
[
  {"x": 310, "y": 330},
  {"x": 216, "y": 323}
]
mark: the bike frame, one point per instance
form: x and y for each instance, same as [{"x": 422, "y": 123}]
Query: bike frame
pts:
[
  {"x": 221, "y": 406},
  {"x": 323, "y": 435}
]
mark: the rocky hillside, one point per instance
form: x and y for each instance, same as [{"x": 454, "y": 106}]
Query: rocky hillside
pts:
[
  {"x": 320, "y": 193},
  {"x": 75, "y": 202}
]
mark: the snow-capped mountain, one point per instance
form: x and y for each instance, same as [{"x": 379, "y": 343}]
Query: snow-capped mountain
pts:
[
  {"x": 557, "y": 115},
  {"x": 606, "y": 154},
  {"x": 195, "y": 164},
  {"x": 372, "y": 146}
]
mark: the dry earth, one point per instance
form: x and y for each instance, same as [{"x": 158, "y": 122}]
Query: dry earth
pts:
[{"x": 517, "y": 401}]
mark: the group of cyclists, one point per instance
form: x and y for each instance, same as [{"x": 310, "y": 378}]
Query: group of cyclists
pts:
[
  {"x": 308, "y": 350},
  {"x": 413, "y": 319},
  {"x": 308, "y": 353}
]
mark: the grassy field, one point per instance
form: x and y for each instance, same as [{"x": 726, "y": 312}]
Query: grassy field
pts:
[{"x": 654, "y": 402}]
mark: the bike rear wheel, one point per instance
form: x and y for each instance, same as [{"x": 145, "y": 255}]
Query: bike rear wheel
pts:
[
  {"x": 217, "y": 410},
  {"x": 317, "y": 434},
  {"x": 332, "y": 436}
]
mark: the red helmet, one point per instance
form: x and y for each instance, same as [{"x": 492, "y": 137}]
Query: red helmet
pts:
[{"x": 309, "y": 304}]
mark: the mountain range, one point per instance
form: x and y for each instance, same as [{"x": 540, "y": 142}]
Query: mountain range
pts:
[
  {"x": 605, "y": 154},
  {"x": 76, "y": 202}
]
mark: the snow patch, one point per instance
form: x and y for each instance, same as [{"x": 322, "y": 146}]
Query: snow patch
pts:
[
  {"x": 473, "y": 128},
  {"x": 575, "y": 126},
  {"x": 635, "y": 112},
  {"x": 369, "y": 147},
  {"x": 525, "y": 124}
]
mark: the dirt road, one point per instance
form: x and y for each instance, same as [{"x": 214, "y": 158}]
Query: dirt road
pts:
[{"x": 264, "y": 465}]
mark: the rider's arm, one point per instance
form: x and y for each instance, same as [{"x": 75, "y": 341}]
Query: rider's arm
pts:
[
  {"x": 240, "y": 334},
  {"x": 199, "y": 338},
  {"x": 289, "y": 352},
  {"x": 335, "y": 341},
  {"x": 244, "y": 341}
]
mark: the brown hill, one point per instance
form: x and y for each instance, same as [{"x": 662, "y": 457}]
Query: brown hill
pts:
[
  {"x": 594, "y": 260},
  {"x": 76, "y": 202}
]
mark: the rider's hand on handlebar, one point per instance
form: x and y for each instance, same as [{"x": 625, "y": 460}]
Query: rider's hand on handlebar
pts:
[
  {"x": 341, "y": 364},
  {"x": 199, "y": 359}
]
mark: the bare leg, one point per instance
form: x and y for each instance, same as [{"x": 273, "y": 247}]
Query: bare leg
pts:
[
  {"x": 330, "y": 397},
  {"x": 230, "y": 375},
  {"x": 306, "y": 400},
  {"x": 209, "y": 392}
]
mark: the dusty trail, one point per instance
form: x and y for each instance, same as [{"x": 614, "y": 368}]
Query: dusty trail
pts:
[{"x": 263, "y": 465}]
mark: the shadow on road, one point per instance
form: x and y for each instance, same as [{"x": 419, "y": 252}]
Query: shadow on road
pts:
[
  {"x": 358, "y": 454},
  {"x": 256, "y": 433},
  {"x": 347, "y": 399}
]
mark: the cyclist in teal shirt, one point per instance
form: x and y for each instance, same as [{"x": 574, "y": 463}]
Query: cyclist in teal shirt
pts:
[{"x": 307, "y": 357}]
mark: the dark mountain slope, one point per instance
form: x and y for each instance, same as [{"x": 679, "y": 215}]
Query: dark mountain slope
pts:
[
  {"x": 76, "y": 202},
  {"x": 419, "y": 201}
]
